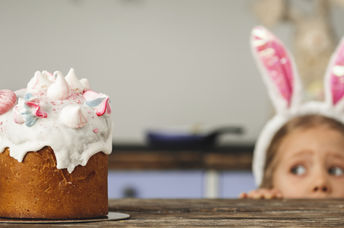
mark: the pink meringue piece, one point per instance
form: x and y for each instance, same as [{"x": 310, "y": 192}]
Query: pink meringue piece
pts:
[
  {"x": 73, "y": 81},
  {"x": 103, "y": 108},
  {"x": 37, "y": 109},
  {"x": 98, "y": 101},
  {"x": 72, "y": 116},
  {"x": 7, "y": 100},
  {"x": 59, "y": 90},
  {"x": 18, "y": 118},
  {"x": 90, "y": 95}
]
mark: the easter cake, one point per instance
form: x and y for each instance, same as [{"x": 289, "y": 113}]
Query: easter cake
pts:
[{"x": 55, "y": 136}]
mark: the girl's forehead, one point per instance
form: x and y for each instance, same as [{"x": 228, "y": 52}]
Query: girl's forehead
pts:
[{"x": 311, "y": 141}]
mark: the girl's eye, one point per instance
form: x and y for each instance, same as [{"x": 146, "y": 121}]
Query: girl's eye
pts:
[
  {"x": 336, "y": 171},
  {"x": 298, "y": 170}
]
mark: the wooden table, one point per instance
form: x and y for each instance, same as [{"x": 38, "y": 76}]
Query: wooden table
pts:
[{"x": 223, "y": 213}]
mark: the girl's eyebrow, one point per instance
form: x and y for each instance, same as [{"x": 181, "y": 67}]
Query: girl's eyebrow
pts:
[
  {"x": 336, "y": 155},
  {"x": 303, "y": 153},
  {"x": 299, "y": 154}
]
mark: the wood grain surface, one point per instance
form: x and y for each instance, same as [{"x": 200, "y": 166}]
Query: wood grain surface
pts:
[{"x": 221, "y": 213}]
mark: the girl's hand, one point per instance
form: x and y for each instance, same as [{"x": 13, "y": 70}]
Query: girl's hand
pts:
[{"x": 262, "y": 193}]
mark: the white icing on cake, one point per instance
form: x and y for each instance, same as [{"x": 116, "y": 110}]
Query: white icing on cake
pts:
[{"x": 54, "y": 111}]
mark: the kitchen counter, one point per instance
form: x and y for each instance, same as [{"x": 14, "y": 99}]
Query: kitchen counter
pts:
[
  {"x": 236, "y": 157},
  {"x": 221, "y": 213}
]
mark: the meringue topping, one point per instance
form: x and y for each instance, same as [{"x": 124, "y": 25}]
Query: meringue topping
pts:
[
  {"x": 60, "y": 112},
  {"x": 72, "y": 116},
  {"x": 73, "y": 81},
  {"x": 59, "y": 89}
]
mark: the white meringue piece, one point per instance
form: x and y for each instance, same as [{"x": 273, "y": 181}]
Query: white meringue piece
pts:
[
  {"x": 73, "y": 81},
  {"x": 33, "y": 83},
  {"x": 39, "y": 83},
  {"x": 49, "y": 75},
  {"x": 59, "y": 89},
  {"x": 84, "y": 82},
  {"x": 72, "y": 116}
]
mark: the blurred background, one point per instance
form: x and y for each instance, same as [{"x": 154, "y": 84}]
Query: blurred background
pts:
[{"x": 175, "y": 70}]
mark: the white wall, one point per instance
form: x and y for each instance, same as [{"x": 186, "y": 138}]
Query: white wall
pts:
[{"x": 163, "y": 62}]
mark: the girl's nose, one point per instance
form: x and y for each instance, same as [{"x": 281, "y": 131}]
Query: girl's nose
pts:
[
  {"x": 321, "y": 188},
  {"x": 321, "y": 184}
]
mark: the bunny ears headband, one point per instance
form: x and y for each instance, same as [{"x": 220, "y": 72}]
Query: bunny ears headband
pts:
[{"x": 285, "y": 90}]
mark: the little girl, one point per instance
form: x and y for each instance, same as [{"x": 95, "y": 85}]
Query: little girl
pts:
[{"x": 300, "y": 152}]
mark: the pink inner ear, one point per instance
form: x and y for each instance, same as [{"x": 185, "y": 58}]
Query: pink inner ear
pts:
[
  {"x": 276, "y": 61},
  {"x": 337, "y": 75}
]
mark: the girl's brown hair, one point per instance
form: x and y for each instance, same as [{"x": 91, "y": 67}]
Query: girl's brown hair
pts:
[{"x": 300, "y": 122}]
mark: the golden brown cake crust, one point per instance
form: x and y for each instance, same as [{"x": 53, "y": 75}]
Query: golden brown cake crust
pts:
[{"x": 35, "y": 188}]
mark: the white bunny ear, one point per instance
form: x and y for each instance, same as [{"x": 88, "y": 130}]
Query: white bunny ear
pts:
[
  {"x": 277, "y": 69},
  {"x": 334, "y": 79}
]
